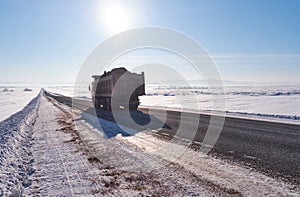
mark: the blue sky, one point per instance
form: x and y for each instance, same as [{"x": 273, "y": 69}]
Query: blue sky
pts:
[{"x": 251, "y": 40}]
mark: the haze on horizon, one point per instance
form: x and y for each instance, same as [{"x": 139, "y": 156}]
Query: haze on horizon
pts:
[{"x": 47, "y": 41}]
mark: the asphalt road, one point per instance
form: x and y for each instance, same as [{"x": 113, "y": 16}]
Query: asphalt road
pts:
[{"x": 272, "y": 148}]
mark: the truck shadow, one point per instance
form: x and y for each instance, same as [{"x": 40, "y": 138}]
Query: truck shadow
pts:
[{"x": 121, "y": 123}]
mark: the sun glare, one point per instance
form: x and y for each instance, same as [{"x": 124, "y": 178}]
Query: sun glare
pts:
[{"x": 115, "y": 17}]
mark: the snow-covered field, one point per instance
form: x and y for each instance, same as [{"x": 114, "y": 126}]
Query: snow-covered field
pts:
[
  {"x": 13, "y": 99},
  {"x": 281, "y": 103}
]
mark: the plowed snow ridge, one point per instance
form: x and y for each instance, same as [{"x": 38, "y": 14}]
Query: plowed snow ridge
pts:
[{"x": 15, "y": 160}]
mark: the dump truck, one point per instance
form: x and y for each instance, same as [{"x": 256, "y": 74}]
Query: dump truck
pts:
[{"x": 117, "y": 89}]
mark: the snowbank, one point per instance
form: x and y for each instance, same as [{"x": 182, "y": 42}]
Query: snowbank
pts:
[{"x": 15, "y": 161}]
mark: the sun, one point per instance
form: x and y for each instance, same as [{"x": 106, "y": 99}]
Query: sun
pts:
[{"x": 115, "y": 17}]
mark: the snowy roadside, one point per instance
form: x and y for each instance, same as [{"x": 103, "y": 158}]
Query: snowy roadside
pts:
[
  {"x": 60, "y": 167},
  {"x": 79, "y": 160},
  {"x": 66, "y": 154},
  {"x": 49, "y": 159},
  {"x": 15, "y": 156},
  {"x": 227, "y": 175}
]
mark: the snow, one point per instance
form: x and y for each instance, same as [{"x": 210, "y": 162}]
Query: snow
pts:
[
  {"x": 14, "y": 101},
  {"x": 59, "y": 168},
  {"x": 260, "y": 102},
  {"x": 67, "y": 153},
  {"x": 15, "y": 161},
  {"x": 275, "y": 103},
  {"x": 231, "y": 176},
  {"x": 63, "y": 167},
  {"x": 158, "y": 154}
]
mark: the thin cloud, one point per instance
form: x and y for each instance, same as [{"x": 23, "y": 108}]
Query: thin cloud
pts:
[{"x": 254, "y": 55}]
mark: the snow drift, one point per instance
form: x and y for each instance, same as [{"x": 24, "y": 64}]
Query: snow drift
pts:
[{"x": 15, "y": 156}]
